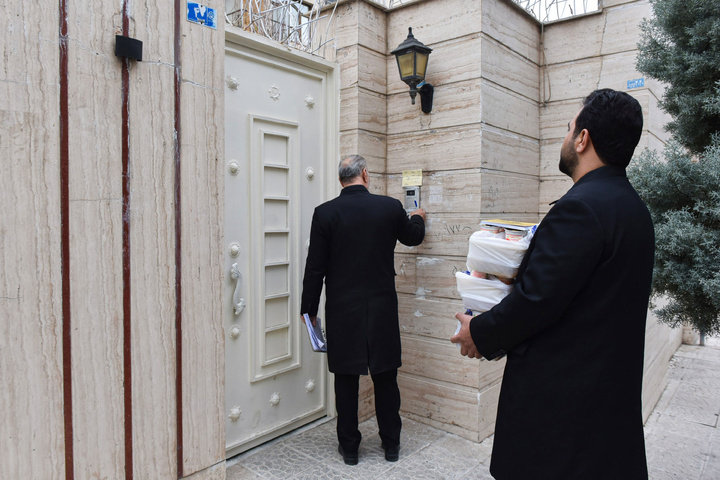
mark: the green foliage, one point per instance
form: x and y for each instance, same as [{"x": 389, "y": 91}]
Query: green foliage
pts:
[
  {"x": 680, "y": 46},
  {"x": 683, "y": 197}
]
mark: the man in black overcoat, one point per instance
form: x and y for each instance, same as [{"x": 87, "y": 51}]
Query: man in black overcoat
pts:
[
  {"x": 573, "y": 327},
  {"x": 352, "y": 247}
]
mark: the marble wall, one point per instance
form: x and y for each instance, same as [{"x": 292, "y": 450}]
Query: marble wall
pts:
[{"x": 111, "y": 345}]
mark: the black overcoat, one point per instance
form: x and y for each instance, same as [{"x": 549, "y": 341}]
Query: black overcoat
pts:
[
  {"x": 574, "y": 330},
  {"x": 352, "y": 246}
]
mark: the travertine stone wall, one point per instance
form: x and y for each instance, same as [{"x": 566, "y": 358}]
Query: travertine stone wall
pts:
[
  {"x": 96, "y": 222},
  {"x": 31, "y": 386},
  {"x": 595, "y": 51},
  {"x": 360, "y": 51},
  {"x": 109, "y": 319},
  {"x": 202, "y": 144},
  {"x": 153, "y": 231}
]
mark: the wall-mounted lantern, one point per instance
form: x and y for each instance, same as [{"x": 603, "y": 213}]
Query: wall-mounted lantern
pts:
[{"x": 412, "y": 60}]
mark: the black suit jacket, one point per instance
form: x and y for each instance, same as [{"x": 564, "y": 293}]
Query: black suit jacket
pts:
[
  {"x": 352, "y": 246},
  {"x": 574, "y": 329}
]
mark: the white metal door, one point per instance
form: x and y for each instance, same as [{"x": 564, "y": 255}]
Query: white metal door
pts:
[{"x": 280, "y": 147}]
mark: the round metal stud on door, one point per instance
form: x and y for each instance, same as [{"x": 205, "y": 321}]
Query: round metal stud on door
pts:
[
  {"x": 234, "y": 249},
  {"x": 235, "y": 413},
  {"x": 234, "y": 332},
  {"x": 310, "y": 386}
]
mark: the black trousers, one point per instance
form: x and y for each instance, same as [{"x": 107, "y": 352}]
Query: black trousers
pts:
[{"x": 387, "y": 409}]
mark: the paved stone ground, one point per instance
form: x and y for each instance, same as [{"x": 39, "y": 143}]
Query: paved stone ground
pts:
[
  {"x": 682, "y": 439},
  {"x": 682, "y": 436}
]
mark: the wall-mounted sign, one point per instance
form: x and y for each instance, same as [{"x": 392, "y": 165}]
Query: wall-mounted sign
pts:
[
  {"x": 637, "y": 83},
  {"x": 200, "y": 14},
  {"x": 411, "y": 178}
]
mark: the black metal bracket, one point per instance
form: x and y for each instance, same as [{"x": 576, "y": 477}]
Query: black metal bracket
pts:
[
  {"x": 128, "y": 47},
  {"x": 426, "y": 97}
]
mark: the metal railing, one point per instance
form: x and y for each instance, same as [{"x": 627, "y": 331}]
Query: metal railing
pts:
[{"x": 300, "y": 24}]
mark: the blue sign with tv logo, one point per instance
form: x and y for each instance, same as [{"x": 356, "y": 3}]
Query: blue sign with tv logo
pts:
[{"x": 200, "y": 14}]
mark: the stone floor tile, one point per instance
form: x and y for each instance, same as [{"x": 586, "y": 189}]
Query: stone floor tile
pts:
[
  {"x": 676, "y": 454},
  {"x": 478, "y": 472},
  {"x": 431, "y": 463},
  {"x": 318, "y": 443},
  {"x": 656, "y": 474},
  {"x": 415, "y": 437},
  {"x": 686, "y": 352},
  {"x": 326, "y": 473},
  {"x": 673, "y": 425},
  {"x": 462, "y": 450},
  {"x": 238, "y": 472},
  {"x": 371, "y": 465},
  {"x": 278, "y": 462},
  {"x": 667, "y": 395},
  {"x": 695, "y": 404},
  {"x": 369, "y": 427},
  {"x": 711, "y": 471},
  {"x": 703, "y": 373},
  {"x": 707, "y": 354},
  {"x": 420, "y": 431}
]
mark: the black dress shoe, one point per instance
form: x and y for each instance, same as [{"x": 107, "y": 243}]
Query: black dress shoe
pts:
[
  {"x": 391, "y": 453},
  {"x": 348, "y": 458}
]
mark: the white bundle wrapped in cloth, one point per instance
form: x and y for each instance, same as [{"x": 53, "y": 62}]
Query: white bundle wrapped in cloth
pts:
[
  {"x": 480, "y": 294},
  {"x": 494, "y": 256}
]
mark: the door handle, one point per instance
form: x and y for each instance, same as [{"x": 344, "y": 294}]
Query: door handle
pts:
[{"x": 238, "y": 303}]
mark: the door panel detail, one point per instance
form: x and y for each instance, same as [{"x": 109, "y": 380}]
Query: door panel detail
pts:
[{"x": 274, "y": 159}]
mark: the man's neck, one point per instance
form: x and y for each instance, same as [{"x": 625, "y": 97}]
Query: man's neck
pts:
[
  {"x": 356, "y": 182},
  {"x": 585, "y": 166}
]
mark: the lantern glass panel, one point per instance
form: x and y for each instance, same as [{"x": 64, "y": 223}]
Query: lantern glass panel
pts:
[
  {"x": 405, "y": 64},
  {"x": 421, "y": 59}
]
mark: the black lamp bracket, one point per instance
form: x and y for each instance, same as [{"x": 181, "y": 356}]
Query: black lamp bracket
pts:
[
  {"x": 128, "y": 47},
  {"x": 426, "y": 97}
]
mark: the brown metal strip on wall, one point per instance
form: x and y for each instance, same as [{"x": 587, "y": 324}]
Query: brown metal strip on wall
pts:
[
  {"x": 178, "y": 245},
  {"x": 65, "y": 243},
  {"x": 127, "y": 286}
]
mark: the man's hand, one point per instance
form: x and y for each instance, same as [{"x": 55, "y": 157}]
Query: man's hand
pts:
[
  {"x": 463, "y": 337},
  {"x": 420, "y": 212},
  {"x": 312, "y": 319}
]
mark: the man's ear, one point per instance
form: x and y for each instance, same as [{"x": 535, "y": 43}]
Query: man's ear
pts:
[{"x": 582, "y": 141}]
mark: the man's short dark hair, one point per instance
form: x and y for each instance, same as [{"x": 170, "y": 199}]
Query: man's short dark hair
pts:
[
  {"x": 614, "y": 120},
  {"x": 350, "y": 168}
]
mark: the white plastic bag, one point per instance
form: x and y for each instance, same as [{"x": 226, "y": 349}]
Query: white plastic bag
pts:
[
  {"x": 480, "y": 294},
  {"x": 496, "y": 256}
]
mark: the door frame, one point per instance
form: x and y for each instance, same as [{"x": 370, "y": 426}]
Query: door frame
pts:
[{"x": 236, "y": 39}]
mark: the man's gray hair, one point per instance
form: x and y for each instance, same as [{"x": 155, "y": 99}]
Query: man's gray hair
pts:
[{"x": 351, "y": 167}]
